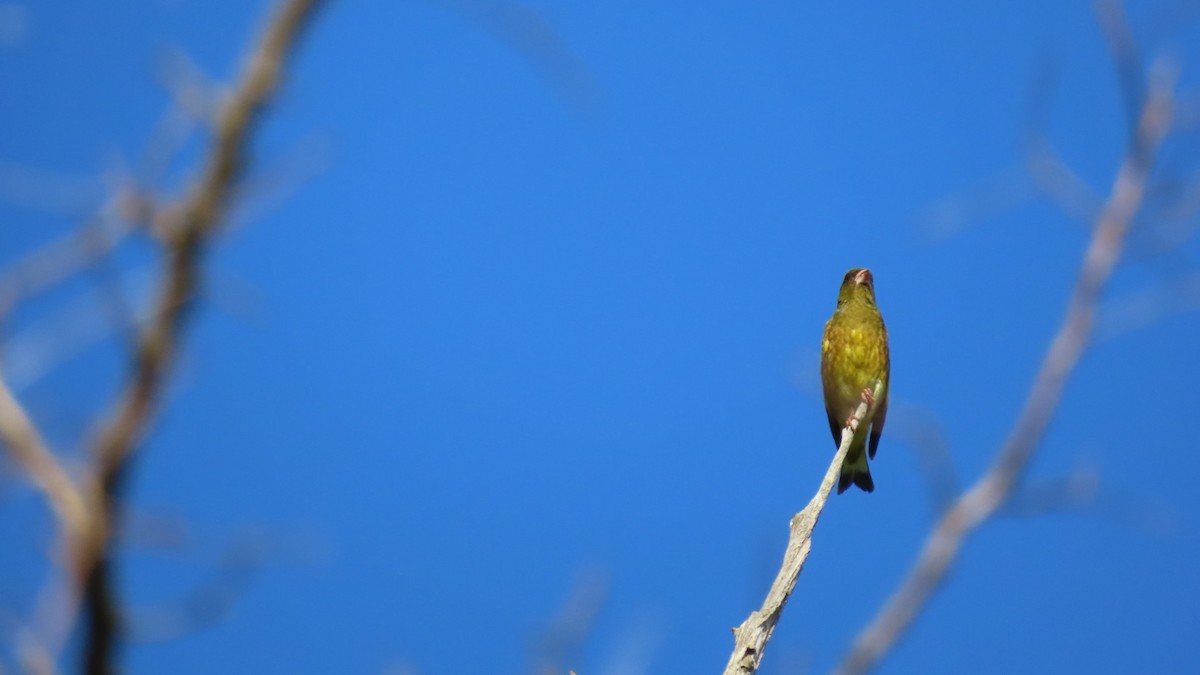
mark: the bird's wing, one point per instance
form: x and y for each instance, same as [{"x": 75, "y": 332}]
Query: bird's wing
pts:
[
  {"x": 877, "y": 426},
  {"x": 835, "y": 425},
  {"x": 829, "y": 380}
]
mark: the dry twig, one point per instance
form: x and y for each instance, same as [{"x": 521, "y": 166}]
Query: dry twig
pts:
[
  {"x": 750, "y": 638},
  {"x": 25, "y": 445}
]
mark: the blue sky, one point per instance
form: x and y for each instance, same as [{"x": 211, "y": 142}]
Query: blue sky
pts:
[{"x": 519, "y": 329}]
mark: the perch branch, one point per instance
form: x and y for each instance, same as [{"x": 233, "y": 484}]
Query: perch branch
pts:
[{"x": 750, "y": 638}]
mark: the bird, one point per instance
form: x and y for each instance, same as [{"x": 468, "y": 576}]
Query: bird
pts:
[{"x": 854, "y": 356}]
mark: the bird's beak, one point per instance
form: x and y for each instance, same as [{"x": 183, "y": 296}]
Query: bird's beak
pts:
[{"x": 863, "y": 278}]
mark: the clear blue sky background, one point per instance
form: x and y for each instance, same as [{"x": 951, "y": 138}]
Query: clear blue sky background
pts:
[{"x": 516, "y": 332}]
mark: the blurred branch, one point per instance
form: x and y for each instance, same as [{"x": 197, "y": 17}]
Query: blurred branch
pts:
[
  {"x": 208, "y": 603},
  {"x": 195, "y": 95},
  {"x": 1058, "y": 183},
  {"x": 1082, "y": 492},
  {"x": 1126, "y": 58},
  {"x": 750, "y": 638},
  {"x": 537, "y": 40},
  {"x": 188, "y": 227},
  {"x": 920, "y": 430},
  {"x": 34, "y": 657},
  {"x": 45, "y": 190},
  {"x": 1138, "y": 309},
  {"x": 1077, "y": 491},
  {"x": 947, "y": 216},
  {"x": 983, "y": 499},
  {"x": 268, "y": 187},
  {"x": 25, "y": 446},
  {"x": 36, "y": 350},
  {"x": 67, "y": 256},
  {"x": 1174, "y": 214},
  {"x": 562, "y": 642},
  {"x": 1050, "y": 175}
]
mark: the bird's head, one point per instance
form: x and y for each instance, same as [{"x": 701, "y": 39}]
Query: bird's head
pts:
[{"x": 858, "y": 284}]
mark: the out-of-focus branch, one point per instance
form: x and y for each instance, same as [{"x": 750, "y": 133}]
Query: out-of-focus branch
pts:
[
  {"x": 46, "y": 191},
  {"x": 70, "y": 254},
  {"x": 1082, "y": 492},
  {"x": 1049, "y": 173},
  {"x": 528, "y": 31},
  {"x": 1117, "y": 33},
  {"x": 1136, "y": 310},
  {"x": 949, "y": 215},
  {"x": 25, "y": 446},
  {"x": 32, "y": 352},
  {"x": 982, "y": 500},
  {"x": 750, "y": 638},
  {"x": 920, "y": 430},
  {"x": 1171, "y": 218},
  {"x": 188, "y": 228},
  {"x": 561, "y": 643},
  {"x": 191, "y": 223},
  {"x": 1077, "y": 491},
  {"x": 208, "y": 603}
]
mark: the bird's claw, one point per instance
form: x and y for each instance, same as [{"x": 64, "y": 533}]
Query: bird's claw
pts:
[{"x": 868, "y": 396}]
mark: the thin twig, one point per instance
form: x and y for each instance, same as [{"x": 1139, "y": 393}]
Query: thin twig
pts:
[
  {"x": 1138, "y": 309},
  {"x": 531, "y": 34},
  {"x": 919, "y": 429},
  {"x": 63, "y": 258},
  {"x": 750, "y": 639},
  {"x": 989, "y": 493},
  {"x": 25, "y": 446},
  {"x": 563, "y": 640},
  {"x": 1050, "y": 174},
  {"x": 209, "y": 602}
]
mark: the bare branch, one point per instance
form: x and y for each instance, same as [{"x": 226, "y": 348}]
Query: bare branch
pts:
[
  {"x": 561, "y": 642},
  {"x": 1055, "y": 180},
  {"x": 530, "y": 32},
  {"x": 207, "y": 604},
  {"x": 1138, "y": 309},
  {"x": 989, "y": 493},
  {"x": 950, "y": 215},
  {"x": 191, "y": 223},
  {"x": 1119, "y": 36},
  {"x": 920, "y": 430},
  {"x": 1077, "y": 491},
  {"x": 268, "y": 187},
  {"x": 47, "y": 191},
  {"x": 67, "y": 331},
  {"x": 1052, "y": 177},
  {"x": 1171, "y": 218},
  {"x": 26, "y": 447},
  {"x": 67, "y": 256},
  {"x": 194, "y": 220},
  {"x": 750, "y": 639},
  {"x": 1082, "y": 492},
  {"x": 194, "y": 94}
]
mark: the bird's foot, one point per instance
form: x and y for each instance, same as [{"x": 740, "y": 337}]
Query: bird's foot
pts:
[{"x": 868, "y": 396}]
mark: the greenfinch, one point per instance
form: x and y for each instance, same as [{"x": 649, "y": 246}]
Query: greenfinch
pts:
[{"x": 854, "y": 356}]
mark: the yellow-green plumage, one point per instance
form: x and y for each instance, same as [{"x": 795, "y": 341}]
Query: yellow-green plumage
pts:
[{"x": 854, "y": 355}]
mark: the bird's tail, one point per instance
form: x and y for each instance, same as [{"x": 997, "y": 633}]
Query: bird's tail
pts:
[{"x": 856, "y": 471}]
